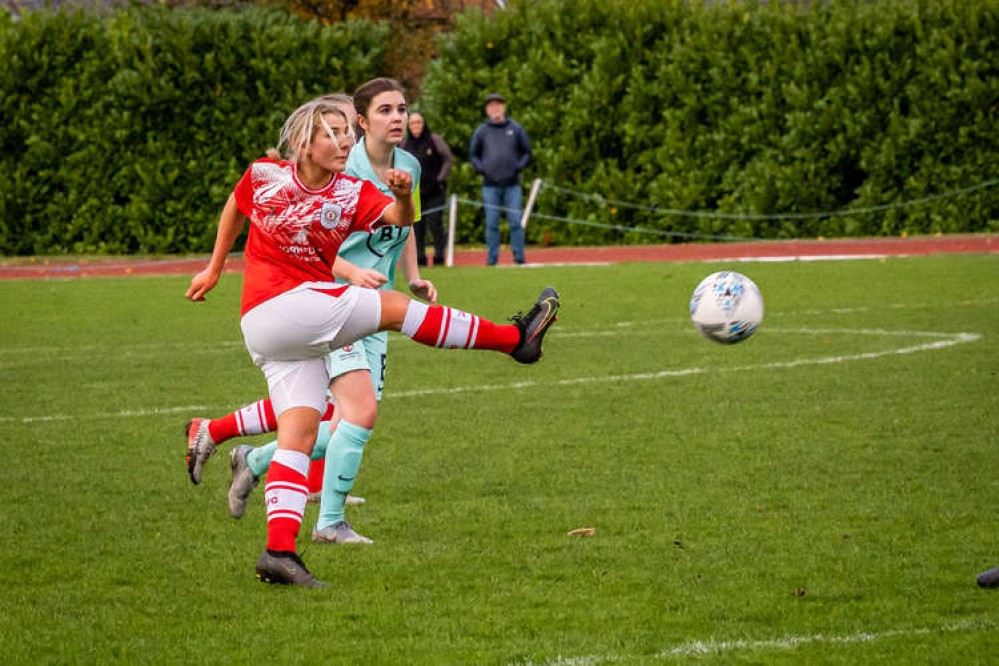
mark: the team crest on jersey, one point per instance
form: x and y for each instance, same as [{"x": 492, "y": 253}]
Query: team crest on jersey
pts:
[{"x": 330, "y": 216}]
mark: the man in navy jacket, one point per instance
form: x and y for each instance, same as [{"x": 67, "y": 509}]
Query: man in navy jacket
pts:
[{"x": 499, "y": 151}]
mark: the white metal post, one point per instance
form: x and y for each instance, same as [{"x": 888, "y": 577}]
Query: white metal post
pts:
[
  {"x": 535, "y": 187},
  {"x": 452, "y": 223}
]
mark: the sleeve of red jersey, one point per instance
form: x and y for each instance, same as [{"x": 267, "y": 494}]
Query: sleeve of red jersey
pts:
[
  {"x": 371, "y": 206},
  {"x": 244, "y": 193}
]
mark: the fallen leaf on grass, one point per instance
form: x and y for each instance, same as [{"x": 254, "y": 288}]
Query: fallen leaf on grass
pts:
[{"x": 582, "y": 532}]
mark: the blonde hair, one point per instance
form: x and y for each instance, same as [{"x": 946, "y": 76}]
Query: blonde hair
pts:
[{"x": 303, "y": 124}]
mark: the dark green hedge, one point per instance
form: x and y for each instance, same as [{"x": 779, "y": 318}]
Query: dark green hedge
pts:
[
  {"x": 126, "y": 132},
  {"x": 737, "y": 108}
]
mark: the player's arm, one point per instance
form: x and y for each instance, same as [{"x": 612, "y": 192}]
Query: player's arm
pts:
[
  {"x": 422, "y": 289},
  {"x": 354, "y": 274},
  {"x": 231, "y": 224},
  {"x": 403, "y": 211}
]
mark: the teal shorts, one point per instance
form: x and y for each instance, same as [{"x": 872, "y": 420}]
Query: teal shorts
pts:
[{"x": 367, "y": 354}]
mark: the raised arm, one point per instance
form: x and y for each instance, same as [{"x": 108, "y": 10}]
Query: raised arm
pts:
[{"x": 402, "y": 212}]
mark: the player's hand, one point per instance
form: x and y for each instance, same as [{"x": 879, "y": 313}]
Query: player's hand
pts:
[
  {"x": 367, "y": 277},
  {"x": 425, "y": 290},
  {"x": 201, "y": 284},
  {"x": 400, "y": 182}
]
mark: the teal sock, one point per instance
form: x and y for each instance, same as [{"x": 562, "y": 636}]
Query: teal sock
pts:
[
  {"x": 343, "y": 460},
  {"x": 259, "y": 459}
]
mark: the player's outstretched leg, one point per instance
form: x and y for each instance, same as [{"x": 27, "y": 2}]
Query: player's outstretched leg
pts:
[
  {"x": 441, "y": 326},
  {"x": 989, "y": 579},
  {"x": 200, "y": 448}
]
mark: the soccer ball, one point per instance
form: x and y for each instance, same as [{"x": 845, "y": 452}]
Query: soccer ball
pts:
[{"x": 726, "y": 307}]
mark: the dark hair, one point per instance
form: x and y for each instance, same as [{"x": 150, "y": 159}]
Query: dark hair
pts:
[{"x": 364, "y": 95}]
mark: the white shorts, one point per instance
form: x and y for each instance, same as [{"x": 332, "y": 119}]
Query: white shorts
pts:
[{"x": 291, "y": 336}]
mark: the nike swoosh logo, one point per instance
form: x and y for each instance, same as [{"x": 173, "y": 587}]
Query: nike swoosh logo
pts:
[
  {"x": 549, "y": 303},
  {"x": 345, "y": 478}
]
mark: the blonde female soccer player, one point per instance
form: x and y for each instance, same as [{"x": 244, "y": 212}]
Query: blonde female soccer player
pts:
[
  {"x": 293, "y": 314},
  {"x": 358, "y": 370}
]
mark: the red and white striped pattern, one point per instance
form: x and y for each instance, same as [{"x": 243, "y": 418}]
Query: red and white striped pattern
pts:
[
  {"x": 285, "y": 494},
  {"x": 458, "y": 331},
  {"x": 256, "y": 419},
  {"x": 441, "y": 326}
]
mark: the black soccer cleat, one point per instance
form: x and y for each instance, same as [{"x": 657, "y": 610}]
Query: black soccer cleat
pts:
[
  {"x": 534, "y": 325},
  {"x": 989, "y": 579},
  {"x": 285, "y": 568}
]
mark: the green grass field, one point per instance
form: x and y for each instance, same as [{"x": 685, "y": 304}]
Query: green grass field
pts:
[{"x": 825, "y": 492}]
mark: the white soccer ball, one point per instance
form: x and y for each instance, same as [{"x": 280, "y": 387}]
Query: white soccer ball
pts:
[{"x": 726, "y": 307}]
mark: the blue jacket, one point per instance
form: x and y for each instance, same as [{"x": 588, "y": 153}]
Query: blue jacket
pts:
[{"x": 500, "y": 152}]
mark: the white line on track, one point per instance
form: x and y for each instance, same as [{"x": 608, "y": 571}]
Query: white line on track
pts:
[
  {"x": 947, "y": 340},
  {"x": 812, "y": 257},
  {"x": 713, "y": 647}
]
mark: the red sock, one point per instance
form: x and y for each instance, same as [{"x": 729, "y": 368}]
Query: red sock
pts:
[
  {"x": 316, "y": 471},
  {"x": 442, "y": 326},
  {"x": 250, "y": 420},
  {"x": 284, "y": 495}
]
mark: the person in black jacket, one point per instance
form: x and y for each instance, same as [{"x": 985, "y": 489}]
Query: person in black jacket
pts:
[
  {"x": 435, "y": 164},
  {"x": 499, "y": 151}
]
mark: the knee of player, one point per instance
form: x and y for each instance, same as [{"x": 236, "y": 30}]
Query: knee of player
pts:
[
  {"x": 361, "y": 412},
  {"x": 394, "y": 307}
]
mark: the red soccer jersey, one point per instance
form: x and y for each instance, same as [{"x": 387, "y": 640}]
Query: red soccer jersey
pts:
[{"x": 295, "y": 231}]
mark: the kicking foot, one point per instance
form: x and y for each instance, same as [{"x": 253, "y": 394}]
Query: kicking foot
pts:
[
  {"x": 243, "y": 481},
  {"x": 340, "y": 532},
  {"x": 285, "y": 568},
  {"x": 534, "y": 325},
  {"x": 200, "y": 448}
]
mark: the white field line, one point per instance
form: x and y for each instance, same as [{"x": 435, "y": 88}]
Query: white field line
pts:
[
  {"x": 951, "y": 340},
  {"x": 948, "y": 340},
  {"x": 713, "y": 647},
  {"x": 126, "y": 413}
]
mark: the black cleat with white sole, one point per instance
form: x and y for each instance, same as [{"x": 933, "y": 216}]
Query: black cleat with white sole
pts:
[{"x": 534, "y": 325}]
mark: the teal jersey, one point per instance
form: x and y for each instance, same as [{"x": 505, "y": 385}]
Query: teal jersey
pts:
[{"x": 380, "y": 250}]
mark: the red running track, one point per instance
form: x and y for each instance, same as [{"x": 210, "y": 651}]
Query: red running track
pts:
[{"x": 770, "y": 250}]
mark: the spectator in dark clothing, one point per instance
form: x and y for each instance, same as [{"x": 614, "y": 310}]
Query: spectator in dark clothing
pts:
[
  {"x": 435, "y": 164},
  {"x": 499, "y": 151}
]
